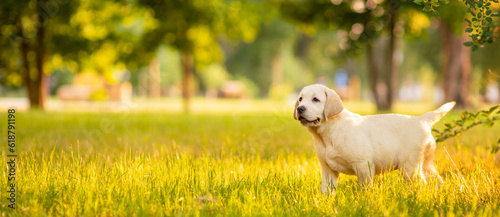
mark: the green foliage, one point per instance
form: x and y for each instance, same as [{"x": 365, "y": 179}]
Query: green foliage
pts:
[
  {"x": 359, "y": 26},
  {"x": 466, "y": 122},
  {"x": 192, "y": 27},
  {"x": 482, "y": 27},
  {"x": 78, "y": 35},
  {"x": 214, "y": 76},
  {"x": 431, "y": 5},
  {"x": 253, "y": 60}
]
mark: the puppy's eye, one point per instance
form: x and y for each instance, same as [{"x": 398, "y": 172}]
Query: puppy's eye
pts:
[
  {"x": 300, "y": 99},
  {"x": 315, "y": 99}
]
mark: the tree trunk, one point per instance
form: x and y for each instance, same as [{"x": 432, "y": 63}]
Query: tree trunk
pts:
[
  {"x": 456, "y": 67},
  {"x": 25, "y": 48},
  {"x": 390, "y": 78},
  {"x": 373, "y": 73},
  {"x": 302, "y": 47},
  {"x": 39, "y": 87},
  {"x": 466, "y": 71},
  {"x": 187, "y": 81},
  {"x": 35, "y": 82},
  {"x": 384, "y": 89}
]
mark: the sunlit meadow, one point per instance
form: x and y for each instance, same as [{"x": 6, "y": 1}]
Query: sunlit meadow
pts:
[{"x": 224, "y": 164}]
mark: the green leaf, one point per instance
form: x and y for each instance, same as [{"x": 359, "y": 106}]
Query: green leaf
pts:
[
  {"x": 494, "y": 150},
  {"x": 468, "y": 21},
  {"x": 437, "y": 131},
  {"x": 436, "y": 14},
  {"x": 471, "y": 3},
  {"x": 493, "y": 109},
  {"x": 468, "y": 43},
  {"x": 427, "y": 8},
  {"x": 468, "y": 30}
]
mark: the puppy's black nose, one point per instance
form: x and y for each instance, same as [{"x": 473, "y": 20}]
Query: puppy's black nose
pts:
[{"x": 301, "y": 109}]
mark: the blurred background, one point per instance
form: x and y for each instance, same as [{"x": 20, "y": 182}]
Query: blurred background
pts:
[{"x": 229, "y": 55}]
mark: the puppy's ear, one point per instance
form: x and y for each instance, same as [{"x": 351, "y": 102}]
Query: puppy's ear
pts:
[
  {"x": 295, "y": 110},
  {"x": 333, "y": 104}
]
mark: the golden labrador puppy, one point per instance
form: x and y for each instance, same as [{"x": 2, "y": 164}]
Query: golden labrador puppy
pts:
[{"x": 366, "y": 145}]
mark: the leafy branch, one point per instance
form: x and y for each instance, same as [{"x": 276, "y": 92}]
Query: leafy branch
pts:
[
  {"x": 467, "y": 121},
  {"x": 481, "y": 28}
]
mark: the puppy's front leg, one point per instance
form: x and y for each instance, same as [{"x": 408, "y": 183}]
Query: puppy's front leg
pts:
[{"x": 329, "y": 179}]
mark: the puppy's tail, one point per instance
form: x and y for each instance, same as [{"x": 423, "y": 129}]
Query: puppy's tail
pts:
[{"x": 434, "y": 116}]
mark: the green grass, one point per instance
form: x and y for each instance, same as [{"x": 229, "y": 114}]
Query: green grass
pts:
[{"x": 157, "y": 164}]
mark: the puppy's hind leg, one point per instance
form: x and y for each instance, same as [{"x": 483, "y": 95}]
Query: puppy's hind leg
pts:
[
  {"x": 430, "y": 172},
  {"x": 429, "y": 168},
  {"x": 413, "y": 173},
  {"x": 412, "y": 169}
]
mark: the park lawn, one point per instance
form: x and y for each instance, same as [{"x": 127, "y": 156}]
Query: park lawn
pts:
[{"x": 250, "y": 164}]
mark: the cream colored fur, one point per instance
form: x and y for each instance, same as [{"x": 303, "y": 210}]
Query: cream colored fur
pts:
[{"x": 364, "y": 146}]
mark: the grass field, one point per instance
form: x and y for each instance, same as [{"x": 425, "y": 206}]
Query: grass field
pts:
[{"x": 221, "y": 164}]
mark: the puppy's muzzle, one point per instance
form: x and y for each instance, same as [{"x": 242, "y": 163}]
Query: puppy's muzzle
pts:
[{"x": 301, "y": 109}]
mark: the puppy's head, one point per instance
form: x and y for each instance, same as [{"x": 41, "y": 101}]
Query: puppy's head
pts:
[{"x": 316, "y": 104}]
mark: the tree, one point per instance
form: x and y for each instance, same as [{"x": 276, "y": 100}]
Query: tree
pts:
[
  {"x": 192, "y": 27},
  {"x": 56, "y": 34},
  {"x": 362, "y": 22},
  {"x": 456, "y": 67},
  {"x": 26, "y": 36},
  {"x": 260, "y": 61}
]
